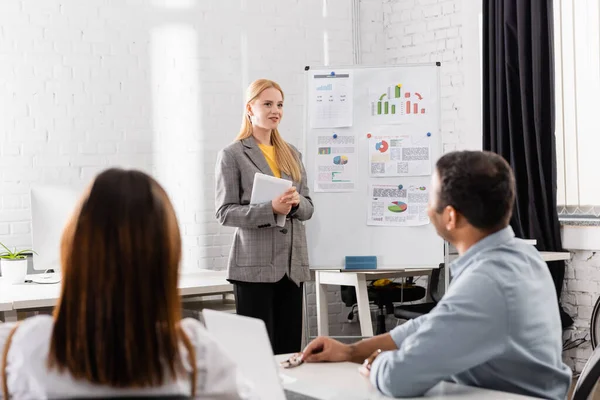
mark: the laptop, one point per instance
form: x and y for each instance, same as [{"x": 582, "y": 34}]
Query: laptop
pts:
[{"x": 246, "y": 342}]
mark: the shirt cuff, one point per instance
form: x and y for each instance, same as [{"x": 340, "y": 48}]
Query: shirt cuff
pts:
[
  {"x": 294, "y": 210},
  {"x": 380, "y": 362}
]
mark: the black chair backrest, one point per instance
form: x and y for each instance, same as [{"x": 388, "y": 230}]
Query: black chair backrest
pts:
[
  {"x": 437, "y": 279},
  {"x": 589, "y": 377}
]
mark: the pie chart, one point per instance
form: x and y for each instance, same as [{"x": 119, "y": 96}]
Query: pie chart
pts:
[
  {"x": 340, "y": 160},
  {"x": 382, "y": 146},
  {"x": 397, "y": 207}
]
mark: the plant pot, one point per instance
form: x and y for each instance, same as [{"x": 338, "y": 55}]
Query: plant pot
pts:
[{"x": 13, "y": 271}]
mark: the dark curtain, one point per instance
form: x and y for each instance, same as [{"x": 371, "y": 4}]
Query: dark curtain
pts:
[{"x": 518, "y": 115}]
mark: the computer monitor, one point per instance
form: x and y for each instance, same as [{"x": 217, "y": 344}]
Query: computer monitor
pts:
[{"x": 51, "y": 207}]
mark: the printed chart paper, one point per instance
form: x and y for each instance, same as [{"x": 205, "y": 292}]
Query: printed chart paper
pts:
[
  {"x": 337, "y": 168},
  {"x": 396, "y": 205},
  {"x": 331, "y": 99},
  {"x": 400, "y": 155},
  {"x": 393, "y": 102}
]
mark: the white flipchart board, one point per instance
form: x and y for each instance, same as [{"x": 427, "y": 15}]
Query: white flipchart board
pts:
[{"x": 339, "y": 227}]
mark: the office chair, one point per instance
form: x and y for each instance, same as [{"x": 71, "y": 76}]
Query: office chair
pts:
[
  {"x": 588, "y": 378},
  {"x": 383, "y": 297},
  {"x": 411, "y": 311}
]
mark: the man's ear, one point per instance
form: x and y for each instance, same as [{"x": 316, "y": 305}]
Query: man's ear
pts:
[{"x": 451, "y": 218}]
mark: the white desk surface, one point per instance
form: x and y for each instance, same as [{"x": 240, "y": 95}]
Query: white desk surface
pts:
[
  {"x": 546, "y": 256},
  {"x": 329, "y": 381},
  {"x": 34, "y": 295},
  {"x": 380, "y": 270},
  {"x": 555, "y": 255},
  {"x": 5, "y": 305}
]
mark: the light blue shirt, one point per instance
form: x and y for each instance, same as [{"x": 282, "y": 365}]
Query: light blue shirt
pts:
[{"x": 497, "y": 327}]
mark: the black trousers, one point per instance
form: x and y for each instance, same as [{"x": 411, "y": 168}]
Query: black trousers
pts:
[{"x": 279, "y": 305}]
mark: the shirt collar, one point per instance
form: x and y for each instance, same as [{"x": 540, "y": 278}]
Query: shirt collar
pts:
[{"x": 489, "y": 242}]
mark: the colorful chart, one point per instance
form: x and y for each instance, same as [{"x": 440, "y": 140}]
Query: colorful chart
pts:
[
  {"x": 340, "y": 160},
  {"x": 395, "y": 100},
  {"x": 388, "y": 102},
  {"x": 382, "y": 146},
  {"x": 397, "y": 207}
]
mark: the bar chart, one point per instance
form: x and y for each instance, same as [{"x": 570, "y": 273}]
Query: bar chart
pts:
[{"x": 395, "y": 101}]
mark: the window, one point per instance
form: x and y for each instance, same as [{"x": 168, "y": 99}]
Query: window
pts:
[{"x": 577, "y": 75}]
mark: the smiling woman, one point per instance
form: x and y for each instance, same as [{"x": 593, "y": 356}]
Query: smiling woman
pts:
[{"x": 267, "y": 264}]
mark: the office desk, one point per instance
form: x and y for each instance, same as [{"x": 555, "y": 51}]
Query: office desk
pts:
[
  {"x": 32, "y": 296},
  {"x": 555, "y": 255},
  {"x": 329, "y": 381},
  {"x": 359, "y": 279},
  {"x": 5, "y": 305}
]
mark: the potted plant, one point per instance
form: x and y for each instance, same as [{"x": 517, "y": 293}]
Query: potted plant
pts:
[{"x": 13, "y": 264}]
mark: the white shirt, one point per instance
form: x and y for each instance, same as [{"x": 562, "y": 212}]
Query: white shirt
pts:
[{"x": 29, "y": 378}]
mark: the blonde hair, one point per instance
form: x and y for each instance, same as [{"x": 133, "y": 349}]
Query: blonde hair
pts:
[{"x": 286, "y": 159}]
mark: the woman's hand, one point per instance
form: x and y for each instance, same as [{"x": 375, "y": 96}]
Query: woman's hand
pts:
[
  {"x": 280, "y": 207},
  {"x": 291, "y": 196}
]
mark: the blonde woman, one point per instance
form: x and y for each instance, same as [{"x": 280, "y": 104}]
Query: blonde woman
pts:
[{"x": 267, "y": 263}]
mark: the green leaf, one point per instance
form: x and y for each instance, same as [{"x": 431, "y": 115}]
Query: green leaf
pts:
[
  {"x": 14, "y": 254},
  {"x": 7, "y": 249}
]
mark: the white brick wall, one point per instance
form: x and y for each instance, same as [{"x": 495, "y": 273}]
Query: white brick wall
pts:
[
  {"x": 372, "y": 32},
  {"x": 419, "y": 31},
  {"x": 151, "y": 84},
  {"x": 581, "y": 289}
]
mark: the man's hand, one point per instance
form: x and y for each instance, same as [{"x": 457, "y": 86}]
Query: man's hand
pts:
[{"x": 326, "y": 349}]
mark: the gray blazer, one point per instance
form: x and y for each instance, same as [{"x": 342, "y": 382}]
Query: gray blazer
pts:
[{"x": 261, "y": 250}]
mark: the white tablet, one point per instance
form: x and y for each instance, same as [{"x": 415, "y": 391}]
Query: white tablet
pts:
[{"x": 266, "y": 188}]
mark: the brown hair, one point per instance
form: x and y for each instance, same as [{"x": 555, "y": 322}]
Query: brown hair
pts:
[
  {"x": 117, "y": 320},
  {"x": 286, "y": 159}
]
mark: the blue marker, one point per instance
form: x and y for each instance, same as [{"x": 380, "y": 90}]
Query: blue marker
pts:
[
  {"x": 335, "y": 135},
  {"x": 428, "y": 134},
  {"x": 332, "y": 73},
  {"x": 400, "y": 187}
]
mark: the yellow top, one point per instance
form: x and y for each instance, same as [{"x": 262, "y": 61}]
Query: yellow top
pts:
[{"x": 269, "y": 153}]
